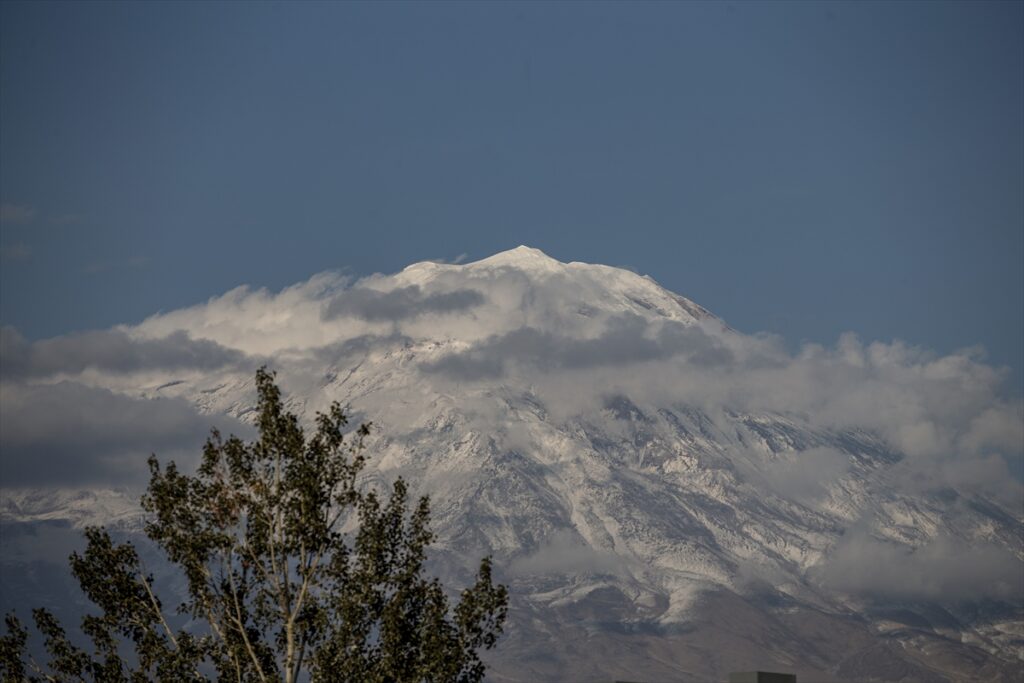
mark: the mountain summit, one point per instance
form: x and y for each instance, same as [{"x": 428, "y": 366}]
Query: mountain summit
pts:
[
  {"x": 668, "y": 498},
  {"x": 520, "y": 257}
]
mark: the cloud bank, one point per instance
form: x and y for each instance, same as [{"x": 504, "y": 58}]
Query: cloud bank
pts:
[
  {"x": 570, "y": 335},
  {"x": 610, "y": 326},
  {"x": 398, "y": 304},
  {"x": 944, "y": 569},
  {"x": 565, "y": 553},
  {"x": 626, "y": 340},
  {"x": 72, "y": 434},
  {"x": 574, "y": 336},
  {"x": 109, "y": 352}
]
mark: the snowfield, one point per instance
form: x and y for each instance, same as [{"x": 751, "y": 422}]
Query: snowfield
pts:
[{"x": 668, "y": 498}]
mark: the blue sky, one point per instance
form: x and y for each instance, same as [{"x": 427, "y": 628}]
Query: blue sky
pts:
[{"x": 804, "y": 169}]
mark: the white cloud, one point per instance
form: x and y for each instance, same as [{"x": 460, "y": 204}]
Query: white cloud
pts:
[
  {"x": 261, "y": 322},
  {"x": 942, "y": 569},
  {"x": 806, "y": 475},
  {"x": 575, "y": 335},
  {"x": 558, "y": 331},
  {"x": 461, "y": 258},
  {"x": 564, "y": 552}
]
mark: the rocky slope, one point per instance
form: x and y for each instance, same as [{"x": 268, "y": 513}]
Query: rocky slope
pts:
[{"x": 662, "y": 497}]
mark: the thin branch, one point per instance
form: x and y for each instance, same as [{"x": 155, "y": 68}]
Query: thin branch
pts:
[
  {"x": 302, "y": 654},
  {"x": 208, "y": 609},
  {"x": 39, "y": 670},
  {"x": 308, "y": 571},
  {"x": 241, "y": 626},
  {"x": 159, "y": 612}
]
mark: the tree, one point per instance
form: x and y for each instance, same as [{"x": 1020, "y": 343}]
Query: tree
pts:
[{"x": 280, "y": 590}]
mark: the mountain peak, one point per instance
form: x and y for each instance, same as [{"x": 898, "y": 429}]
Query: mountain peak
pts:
[
  {"x": 568, "y": 287},
  {"x": 521, "y": 256}
]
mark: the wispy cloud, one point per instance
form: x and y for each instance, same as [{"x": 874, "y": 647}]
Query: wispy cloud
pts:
[
  {"x": 24, "y": 214},
  {"x": 461, "y": 258},
  {"x": 944, "y": 568},
  {"x": 946, "y": 413},
  {"x": 564, "y": 552},
  {"x": 69, "y": 433},
  {"x": 130, "y": 263},
  {"x": 627, "y": 339},
  {"x": 18, "y": 251},
  {"x": 66, "y": 219},
  {"x": 398, "y": 304},
  {"x": 17, "y": 213},
  {"x": 111, "y": 352}
]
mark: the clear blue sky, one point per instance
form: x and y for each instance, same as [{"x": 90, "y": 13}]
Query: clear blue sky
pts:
[{"x": 804, "y": 168}]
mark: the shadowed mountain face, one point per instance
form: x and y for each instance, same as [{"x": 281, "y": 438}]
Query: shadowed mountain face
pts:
[{"x": 669, "y": 499}]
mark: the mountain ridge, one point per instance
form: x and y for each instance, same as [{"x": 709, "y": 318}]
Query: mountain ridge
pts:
[{"x": 646, "y": 476}]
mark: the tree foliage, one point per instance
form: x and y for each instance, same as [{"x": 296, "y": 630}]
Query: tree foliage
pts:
[{"x": 280, "y": 590}]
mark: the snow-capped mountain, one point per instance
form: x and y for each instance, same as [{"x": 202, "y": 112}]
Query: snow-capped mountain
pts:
[{"x": 669, "y": 499}]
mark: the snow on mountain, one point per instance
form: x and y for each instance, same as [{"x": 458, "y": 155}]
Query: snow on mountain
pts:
[
  {"x": 81, "y": 508},
  {"x": 668, "y": 498}
]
